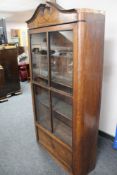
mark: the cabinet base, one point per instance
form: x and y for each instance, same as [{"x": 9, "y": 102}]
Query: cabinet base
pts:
[{"x": 56, "y": 148}]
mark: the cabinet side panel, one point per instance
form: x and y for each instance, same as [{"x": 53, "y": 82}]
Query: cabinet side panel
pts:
[{"x": 88, "y": 93}]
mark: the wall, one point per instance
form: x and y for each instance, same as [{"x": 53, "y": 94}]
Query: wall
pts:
[
  {"x": 23, "y": 33},
  {"x": 14, "y": 25},
  {"x": 108, "y": 116}
]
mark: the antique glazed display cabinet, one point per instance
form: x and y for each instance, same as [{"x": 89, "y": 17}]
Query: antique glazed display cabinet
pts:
[{"x": 66, "y": 63}]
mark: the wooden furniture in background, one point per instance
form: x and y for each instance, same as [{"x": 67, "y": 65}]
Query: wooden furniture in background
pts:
[
  {"x": 66, "y": 48},
  {"x": 8, "y": 60},
  {"x": 20, "y": 50},
  {"x": 2, "y": 84}
]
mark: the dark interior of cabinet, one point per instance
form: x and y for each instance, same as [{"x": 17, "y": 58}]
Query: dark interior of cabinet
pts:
[{"x": 52, "y": 66}]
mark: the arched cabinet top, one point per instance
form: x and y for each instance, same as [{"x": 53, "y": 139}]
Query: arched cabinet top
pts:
[{"x": 51, "y": 14}]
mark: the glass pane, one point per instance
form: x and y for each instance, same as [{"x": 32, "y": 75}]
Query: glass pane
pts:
[
  {"x": 62, "y": 117},
  {"x": 39, "y": 58},
  {"x": 42, "y": 107},
  {"x": 61, "y": 55}
]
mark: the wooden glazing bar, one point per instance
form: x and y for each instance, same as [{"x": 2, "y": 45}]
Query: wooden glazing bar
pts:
[
  {"x": 61, "y": 92},
  {"x": 49, "y": 80},
  {"x": 38, "y": 84}
]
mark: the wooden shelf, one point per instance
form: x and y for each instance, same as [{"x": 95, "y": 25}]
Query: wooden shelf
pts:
[
  {"x": 43, "y": 99},
  {"x": 63, "y": 108},
  {"x": 61, "y": 130},
  {"x": 60, "y": 107},
  {"x": 39, "y": 84},
  {"x": 50, "y": 134},
  {"x": 61, "y": 92},
  {"x": 54, "y": 81},
  {"x": 63, "y": 118},
  {"x": 63, "y": 83},
  {"x": 56, "y": 84},
  {"x": 45, "y": 122},
  {"x": 43, "y": 77},
  {"x": 52, "y": 89}
]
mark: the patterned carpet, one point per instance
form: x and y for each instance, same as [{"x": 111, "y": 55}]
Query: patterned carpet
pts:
[{"x": 21, "y": 155}]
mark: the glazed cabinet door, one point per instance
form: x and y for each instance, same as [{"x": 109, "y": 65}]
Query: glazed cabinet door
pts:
[
  {"x": 39, "y": 58},
  {"x": 62, "y": 117},
  {"x": 42, "y": 105},
  {"x": 40, "y": 74},
  {"x": 61, "y": 56},
  {"x": 61, "y": 82},
  {"x": 52, "y": 65}
]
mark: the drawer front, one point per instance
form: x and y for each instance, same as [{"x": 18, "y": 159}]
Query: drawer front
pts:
[{"x": 58, "y": 150}]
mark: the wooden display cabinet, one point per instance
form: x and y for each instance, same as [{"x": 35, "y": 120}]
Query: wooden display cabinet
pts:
[{"x": 66, "y": 48}]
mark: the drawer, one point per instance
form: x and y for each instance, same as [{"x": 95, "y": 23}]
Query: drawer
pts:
[{"x": 58, "y": 149}]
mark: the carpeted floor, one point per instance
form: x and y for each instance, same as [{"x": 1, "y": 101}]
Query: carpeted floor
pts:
[{"x": 21, "y": 155}]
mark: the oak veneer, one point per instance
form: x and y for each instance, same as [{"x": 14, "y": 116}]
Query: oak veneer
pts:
[{"x": 69, "y": 45}]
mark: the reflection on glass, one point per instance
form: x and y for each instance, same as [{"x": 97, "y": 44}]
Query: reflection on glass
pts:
[
  {"x": 61, "y": 54},
  {"x": 42, "y": 107},
  {"x": 62, "y": 117},
  {"x": 39, "y": 58}
]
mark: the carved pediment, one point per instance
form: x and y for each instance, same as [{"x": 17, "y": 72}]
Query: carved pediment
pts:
[{"x": 51, "y": 14}]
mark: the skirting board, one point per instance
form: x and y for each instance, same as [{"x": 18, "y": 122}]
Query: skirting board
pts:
[{"x": 103, "y": 134}]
